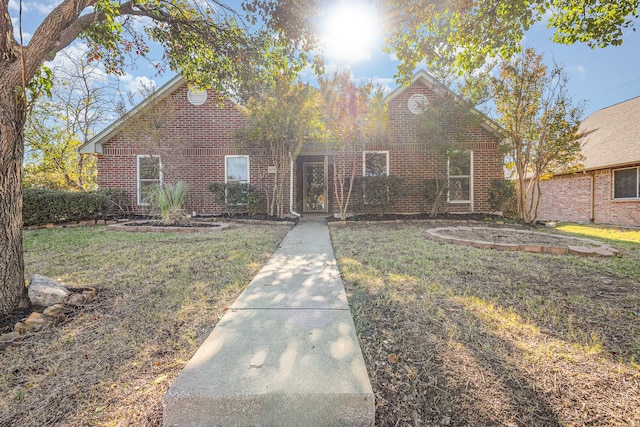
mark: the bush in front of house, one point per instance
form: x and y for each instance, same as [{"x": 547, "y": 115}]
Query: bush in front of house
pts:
[
  {"x": 377, "y": 194},
  {"x": 236, "y": 197},
  {"x": 120, "y": 202},
  {"x": 49, "y": 206},
  {"x": 168, "y": 200},
  {"x": 502, "y": 197}
]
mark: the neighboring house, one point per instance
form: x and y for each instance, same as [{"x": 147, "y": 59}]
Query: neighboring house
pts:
[
  {"x": 179, "y": 134},
  {"x": 606, "y": 189}
]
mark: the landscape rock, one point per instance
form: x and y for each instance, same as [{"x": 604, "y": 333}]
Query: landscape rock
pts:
[
  {"x": 9, "y": 337},
  {"x": 37, "y": 321},
  {"x": 20, "y": 328},
  {"x": 46, "y": 292},
  {"x": 77, "y": 300},
  {"x": 55, "y": 311},
  {"x": 89, "y": 294}
]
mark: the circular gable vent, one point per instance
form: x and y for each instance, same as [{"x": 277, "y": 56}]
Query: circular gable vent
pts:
[
  {"x": 417, "y": 103},
  {"x": 197, "y": 96}
]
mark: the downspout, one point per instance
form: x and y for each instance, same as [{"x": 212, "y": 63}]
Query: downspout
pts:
[
  {"x": 593, "y": 197},
  {"x": 291, "y": 187}
]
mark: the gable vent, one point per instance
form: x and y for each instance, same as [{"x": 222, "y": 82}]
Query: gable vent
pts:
[{"x": 197, "y": 97}]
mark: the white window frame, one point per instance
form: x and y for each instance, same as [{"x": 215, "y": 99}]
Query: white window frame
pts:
[
  {"x": 470, "y": 176},
  {"x": 613, "y": 184},
  {"x": 226, "y": 175},
  {"x": 138, "y": 180},
  {"x": 364, "y": 161}
]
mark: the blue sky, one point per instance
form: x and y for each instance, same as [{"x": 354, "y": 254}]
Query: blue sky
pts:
[{"x": 601, "y": 77}]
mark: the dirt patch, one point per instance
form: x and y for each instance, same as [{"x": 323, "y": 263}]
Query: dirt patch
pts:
[{"x": 528, "y": 240}]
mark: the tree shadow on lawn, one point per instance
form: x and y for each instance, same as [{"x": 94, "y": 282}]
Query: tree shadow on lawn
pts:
[
  {"x": 464, "y": 361},
  {"x": 445, "y": 373},
  {"x": 489, "y": 338}
]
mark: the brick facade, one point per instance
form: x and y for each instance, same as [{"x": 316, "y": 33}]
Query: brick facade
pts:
[
  {"x": 193, "y": 141},
  {"x": 570, "y": 198}
]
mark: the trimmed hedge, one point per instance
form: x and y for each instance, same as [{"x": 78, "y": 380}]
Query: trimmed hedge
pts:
[
  {"x": 377, "y": 194},
  {"x": 48, "y": 206},
  {"x": 502, "y": 197},
  {"x": 236, "y": 197}
]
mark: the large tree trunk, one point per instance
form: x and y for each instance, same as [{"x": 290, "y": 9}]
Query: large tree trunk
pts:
[{"x": 13, "y": 293}]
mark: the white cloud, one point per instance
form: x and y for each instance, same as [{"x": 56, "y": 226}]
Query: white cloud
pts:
[
  {"x": 139, "y": 23},
  {"x": 43, "y": 8},
  {"x": 68, "y": 63},
  {"x": 578, "y": 70},
  {"x": 16, "y": 31},
  {"x": 135, "y": 84},
  {"x": 387, "y": 84}
]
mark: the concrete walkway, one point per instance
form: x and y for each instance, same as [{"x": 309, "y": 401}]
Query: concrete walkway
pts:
[{"x": 286, "y": 352}]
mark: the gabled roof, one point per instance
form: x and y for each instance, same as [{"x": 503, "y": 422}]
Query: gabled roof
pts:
[
  {"x": 431, "y": 82},
  {"x": 612, "y": 136},
  {"x": 94, "y": 145}
]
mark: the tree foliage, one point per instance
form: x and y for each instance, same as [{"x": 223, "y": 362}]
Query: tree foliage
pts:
[
  {"x": 541, "y": 123},
  {"x": 279, "y": 121},
  {"x": 351, "y": 117},
  {"x": 467, "y": 32},
  {"x": 210, "y": 43},
  {"x": 446, "y": 127},
  {"x": 79, "y": 103}
]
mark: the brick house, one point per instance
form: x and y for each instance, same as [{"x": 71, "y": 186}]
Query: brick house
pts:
[
  {"x": 606, "y": 189},
  {"x": 180, "y": 134}
]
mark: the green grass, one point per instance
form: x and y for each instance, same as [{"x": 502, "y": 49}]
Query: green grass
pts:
[
  {"x": 159, "y": 296},
  {"x": 602, "y": 232}
]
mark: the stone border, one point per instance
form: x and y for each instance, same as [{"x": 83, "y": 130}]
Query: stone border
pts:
[
  {"x": 134, "y": 226},
  {"x": 602, "y": 249}
]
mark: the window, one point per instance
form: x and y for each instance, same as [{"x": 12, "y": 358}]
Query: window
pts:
[
  {"x": 149, "y": 174},
  {"x": 237, "y": 179},
  {"x": 375, "y": 163},
  {"x": 626, "y": 183},
  {"x": 236, "y": 169},
  {"x": 460, "y": 172}
]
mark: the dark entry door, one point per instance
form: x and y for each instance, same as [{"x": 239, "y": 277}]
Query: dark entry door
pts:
[{"x": 314, "y": 187}]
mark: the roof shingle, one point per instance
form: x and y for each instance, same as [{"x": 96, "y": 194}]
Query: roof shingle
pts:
[{"x": 613, "y": 137}]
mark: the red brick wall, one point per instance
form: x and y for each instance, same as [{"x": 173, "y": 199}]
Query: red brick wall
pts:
[
  {"x": 195, "y": 140},
  {"x": 568, "y": 198},
  {"x": 414, "y": 160}
]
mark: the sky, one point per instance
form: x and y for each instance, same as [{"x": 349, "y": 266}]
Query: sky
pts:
[{"x": 600, "y": 77}]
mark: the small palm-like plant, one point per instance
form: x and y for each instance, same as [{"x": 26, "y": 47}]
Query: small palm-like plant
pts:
[{"x": 169, "y": 201}]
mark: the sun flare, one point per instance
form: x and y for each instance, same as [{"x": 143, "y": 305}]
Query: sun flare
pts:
[{"x": 350, "y": 32}]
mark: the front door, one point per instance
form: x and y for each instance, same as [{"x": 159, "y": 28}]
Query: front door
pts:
[{"x": 314, "y": 187}]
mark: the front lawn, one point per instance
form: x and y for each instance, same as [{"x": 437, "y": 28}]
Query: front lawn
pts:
[
  {"x": 159, "y": 297},
  {"x": 451, "y": 335},
  {"x": 454, "y": 335}
]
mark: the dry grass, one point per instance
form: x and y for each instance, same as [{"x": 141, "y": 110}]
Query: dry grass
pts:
[
  {"x": 159, "y": 296},
  {"x": 454, "y": 335}
]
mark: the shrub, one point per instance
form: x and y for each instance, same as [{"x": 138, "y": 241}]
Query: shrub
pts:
[
  {"x": 49, "y": 206},
  {"x": 435, "y": 193},
  {"x": 376, "y": 194},
  {"x": 168, "y": 200},
  {"x": 502, "y": 197},
  {"x": 236, "y": 197},
  {"x": 120, "y": 202}
]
